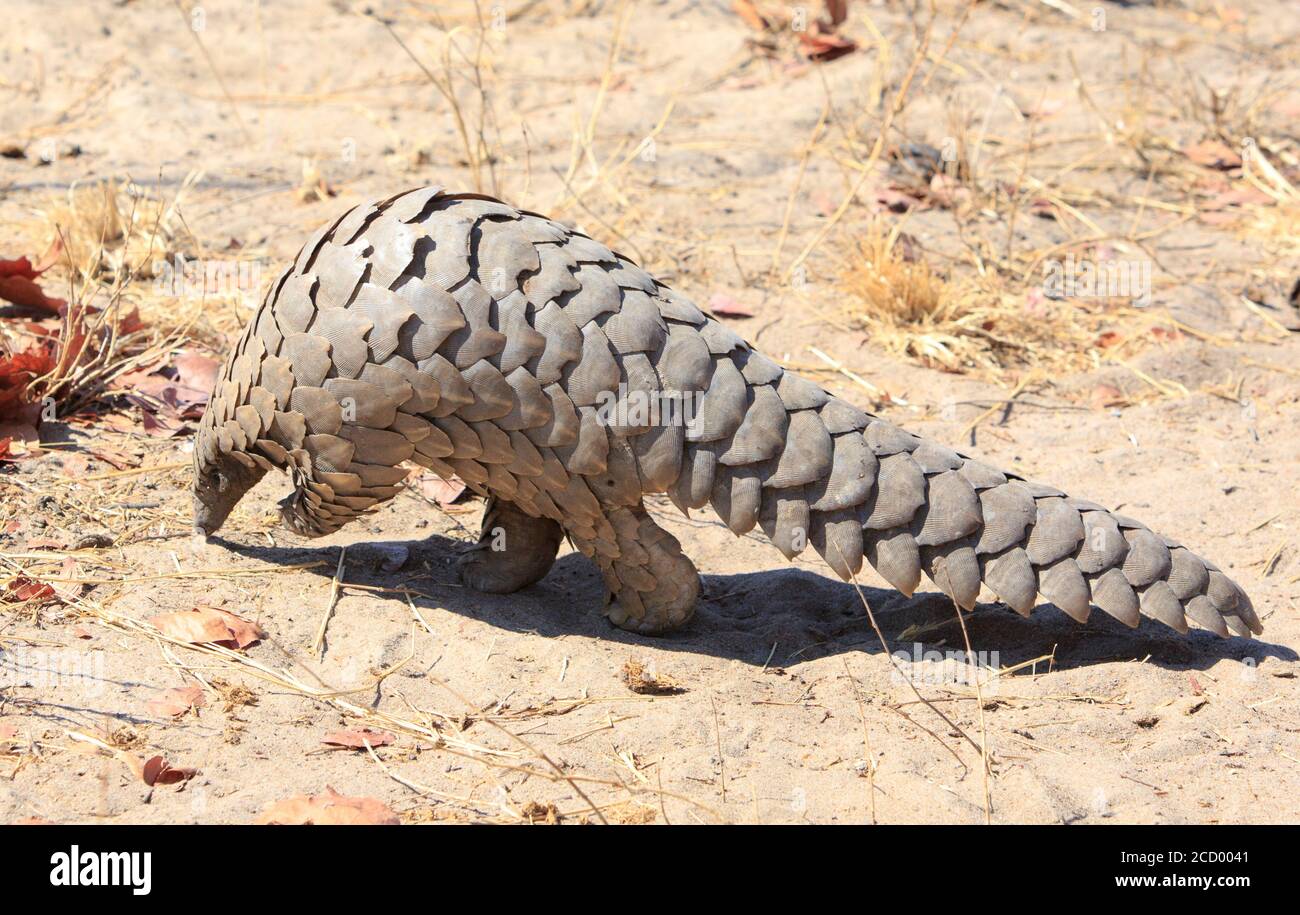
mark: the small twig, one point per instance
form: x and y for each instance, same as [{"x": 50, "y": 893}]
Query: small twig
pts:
[{"x": 318, "y": 644}]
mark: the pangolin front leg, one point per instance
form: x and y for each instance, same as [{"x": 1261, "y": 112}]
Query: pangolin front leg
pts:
[
  {"x": 548, "y": 372},
  {"x": 651, "y": 586},
  {"x": 514, "y": 549}
]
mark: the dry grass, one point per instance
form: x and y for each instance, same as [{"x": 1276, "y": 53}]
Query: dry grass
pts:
[
  {"x": 114, "y": 229},
  {"x": 958, "y": 325}
]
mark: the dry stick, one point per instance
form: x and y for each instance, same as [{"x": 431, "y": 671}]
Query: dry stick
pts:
[
  {"x": 798, "y": 182},
  {"x": 449, "y": 94},
  {"x": 717, "y": 733},
  {"x": 952, "y": 39},
  {"x": 866, "y": 739},
  {"x": 900, "y": 99},
  {"x": 588, "y": 136},
  {"x": 319, "y": 642},
  {"x": 527, "y": 746},
  {"x": 212, "y": 65},
  {"x": 439, "y": 740},
  {"x": 969, "y": 428},
  {"x": 116, "y": 474},
  {"x": 894, "y": 662},
  {"x": 196, "y": 573},
  {"x": 984, "y": 733}
]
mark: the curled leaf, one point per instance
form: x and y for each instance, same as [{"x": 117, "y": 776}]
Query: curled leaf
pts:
[{"x": 158, "y": 772}]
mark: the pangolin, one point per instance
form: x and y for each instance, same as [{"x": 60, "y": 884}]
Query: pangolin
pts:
[{"x": 495, "y": 345}]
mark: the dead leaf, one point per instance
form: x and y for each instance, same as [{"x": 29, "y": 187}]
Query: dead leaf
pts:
[
  {"x": 1238, "y": 197},
  {"x": 823, "y": 46},
  {"x": 357, "y": 739},
  {"x": 22, "y": 441},
  {"x": 444, "y": 492},
  {"x": 22, "y": 588},
  {"x": 547, "y": 814},
  {"x": 328, "y": 809},
  {"x": 158, "y": 772},
  {"x": 8, "y": 731},
  {"x": 208, "y": 624},
  {"x": 18, "y": 284},
  {"x": 1105, "y": 396},
  {"x": 177, "y": 701},
  {"x": 722, "y": 304},
  {"x": 197, "y": 371},
  {"x": 17, "y": 372},
  {"x": 1213, "y": 154}
]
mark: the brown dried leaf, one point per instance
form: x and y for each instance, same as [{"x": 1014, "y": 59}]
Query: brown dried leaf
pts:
[
  {"x": 357, "y": 739},
  {"x": 328, "y": 809},
  {"x": 1213, "y": 154},
  {"x": 157, "y": 772},
  {"x": 444, "y": 492},
  {"x": 208, "y": 624},
  {"x": 178, "y": 701},
  {"x": 722, "y": 304}
]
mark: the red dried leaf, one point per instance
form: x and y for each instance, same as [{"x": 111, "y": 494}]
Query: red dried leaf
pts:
[
  {"x": 1213, "y": 154},
  {"x": 20, "y": 268},
  {"x": 722, "y": 304},
  {"x": 824, "y": 46},
  {"x": 208, "y": 624},
  {"x": 22, "y": 589},
  {"x": 158, "y": 772},
  {"x": 896, "y": 201},
  {"x": 27, "y": 293},
  {"x": 177, "y": 701},
  {"x": 328, "y": 809},
  {"x": 17, "y": 372},
  {"x": 8, "y": 731},
  {"x": 357, "y": 740},
  {"x": 1238, "y": 197}
]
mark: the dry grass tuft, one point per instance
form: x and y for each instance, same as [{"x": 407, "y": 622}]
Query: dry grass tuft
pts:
[
  {"x": 112, "y": 230},
  {"x": 645, "y": 681},
  {"x": 958, "y": 325}
]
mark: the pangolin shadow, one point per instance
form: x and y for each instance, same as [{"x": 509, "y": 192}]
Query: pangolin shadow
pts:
[{"x": 805, "y": 615}]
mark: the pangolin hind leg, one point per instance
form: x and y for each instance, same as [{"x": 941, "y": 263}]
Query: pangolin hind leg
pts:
[
  {"x": 514, "y": 549},
  {"x": 651, "y": 586}
]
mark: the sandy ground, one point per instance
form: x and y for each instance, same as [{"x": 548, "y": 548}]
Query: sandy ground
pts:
[{"x": 787, "y": 708}]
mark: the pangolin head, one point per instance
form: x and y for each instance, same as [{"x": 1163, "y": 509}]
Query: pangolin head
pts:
[
  {"x": 236, "y": 445},
  {"x": 223, "y": 472}
]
